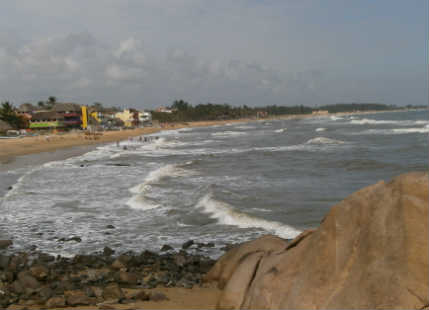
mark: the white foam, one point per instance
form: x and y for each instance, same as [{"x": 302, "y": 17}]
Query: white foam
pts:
[
  {"x": 410, "y": 130},
  {"x": 320, "y": 129},
  {"x": 336, "y": 118},
  {"x": 323, "y": 140},
  {"x": 244, "y": 127},
  {"x": 280, "y": 130},
  {"x": 140, "y": 202},
  {"x": 394, "y": 131},
  {"x": 155, "y": 176},
  {"x": 19, "y": 183},
  {"x": 228, "y": 133},
  {"x": 226, "y": 215}
]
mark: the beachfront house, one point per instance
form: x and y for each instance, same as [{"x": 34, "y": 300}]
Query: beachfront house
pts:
[
  {"x": 71, "y": 112},
  {"x": 47, "y": 120},
  {"x": 130, "y": 117},
  {"x": 145, "y": 118}
]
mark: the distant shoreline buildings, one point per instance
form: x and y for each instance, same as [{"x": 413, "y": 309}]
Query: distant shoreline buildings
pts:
[{"x": 63, "y": 116}]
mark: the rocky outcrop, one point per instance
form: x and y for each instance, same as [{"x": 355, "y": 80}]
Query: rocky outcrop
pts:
[
  {"x": 370, "y": 251},
  {"x": 30, "y": 279}
]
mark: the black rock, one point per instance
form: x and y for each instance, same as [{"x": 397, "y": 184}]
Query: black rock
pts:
[
  {"x": 187, "y": 244},
  {"x": 5, "y": 244},
  {"x": 166, "y": 247},
  {"x": 110, "y": 226},
  {"x": 108, "y": 251},
  {"x": 4, "y": 261}
]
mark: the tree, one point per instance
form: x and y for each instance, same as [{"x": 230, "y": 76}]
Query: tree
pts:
[
  {"x": 98, "y": 106},
  {"x": 51, "y": 102},
  {"x": 180, "y": 105},
  {"x": 7, "y": 114}
]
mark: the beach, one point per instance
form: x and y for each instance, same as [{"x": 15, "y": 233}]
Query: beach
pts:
[{"x": 9, "y": 148}]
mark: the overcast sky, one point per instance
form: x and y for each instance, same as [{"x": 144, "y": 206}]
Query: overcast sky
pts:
[{"x": 147, "y": 53}]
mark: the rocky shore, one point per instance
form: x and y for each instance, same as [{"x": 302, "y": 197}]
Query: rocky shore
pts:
[{"x": 39, "y": 280}]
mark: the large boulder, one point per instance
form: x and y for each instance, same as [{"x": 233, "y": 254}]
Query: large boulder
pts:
[{"x": 370, "y": 251}]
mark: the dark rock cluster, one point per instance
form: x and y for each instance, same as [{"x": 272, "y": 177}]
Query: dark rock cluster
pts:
[{"x": 98, "y": 279}]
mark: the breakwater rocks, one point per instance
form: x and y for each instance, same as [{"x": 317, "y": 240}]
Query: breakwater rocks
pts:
[
  {"x": 101, "y": 279},
  {"x": 370, "y": 252}
]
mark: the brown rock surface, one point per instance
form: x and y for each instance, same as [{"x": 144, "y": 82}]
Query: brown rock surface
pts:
[{"x": 371, "y": 251}]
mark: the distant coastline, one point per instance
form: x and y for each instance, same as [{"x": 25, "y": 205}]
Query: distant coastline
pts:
[{"x": 10, "y": 148}]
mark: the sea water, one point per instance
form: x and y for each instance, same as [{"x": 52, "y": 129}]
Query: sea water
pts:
[{"x": 221, "y": 184}]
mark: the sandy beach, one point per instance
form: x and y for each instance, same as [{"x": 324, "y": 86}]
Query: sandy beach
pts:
[{"x": 9, "y": 148}]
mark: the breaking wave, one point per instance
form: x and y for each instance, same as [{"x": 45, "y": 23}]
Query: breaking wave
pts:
[
  {"x": 320, "y": 129},
  {"x": 280, "y": 130},
  {"x": 228, "y": 133},
  {"x": 139, "y": 201},
  {"x": 227, "y": 215},
  {"x": 323, "y": 140}
]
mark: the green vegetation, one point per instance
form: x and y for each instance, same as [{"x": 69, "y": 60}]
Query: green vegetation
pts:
[
  {"x": 182, "y": 111},
  {"x": 8, "y": 115}
]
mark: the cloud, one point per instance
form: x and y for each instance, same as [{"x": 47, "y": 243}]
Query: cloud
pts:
[{"x": 63, "y": 64}]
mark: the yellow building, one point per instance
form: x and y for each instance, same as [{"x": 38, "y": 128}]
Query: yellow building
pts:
[{"x": 127, "y": 116}]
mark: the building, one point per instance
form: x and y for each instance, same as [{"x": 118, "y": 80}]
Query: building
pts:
[
  {"x": 47, "y": 120},
  {"x": 165, "y": 110},
  {"x": 145, "y": 117},
  {"x": 130, "y": 117},
  {"x": 72, "y": 114}
]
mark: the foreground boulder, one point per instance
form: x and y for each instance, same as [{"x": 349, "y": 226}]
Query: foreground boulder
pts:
[{"x": 370, "y": 251}]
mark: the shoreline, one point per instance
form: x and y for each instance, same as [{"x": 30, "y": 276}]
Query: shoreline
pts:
[{"x": 12, "y": 148}]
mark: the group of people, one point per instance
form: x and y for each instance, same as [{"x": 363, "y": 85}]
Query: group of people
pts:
[{"x": 140, "y": 139}]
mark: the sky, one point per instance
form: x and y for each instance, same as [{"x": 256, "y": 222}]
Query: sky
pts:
[{"x": 147, "y": 53}]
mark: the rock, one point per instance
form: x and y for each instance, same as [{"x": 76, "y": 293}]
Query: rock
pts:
[
  {"x": 78, "y": 298},
  {"x": 166, "y": 247},
  {"x": 39, "y": 272},
  {"x": 180, "y": 260},
  {"x": 370, "y": 251},
  {"x": 157, "y": 296},
  {"x": 5, "y": 244},
  {"x": 110, "y": 227},
  {"x": 187, "y": 244},
  {"x": 4, "y": 261},
  {"x": 142, "y": 295},
  {"x": 226, "y": 265},
  {"x": 117, "y": 264},
  {"x": 45, "y": 293},
  {"x": 108, "y": 251},
  {"x": 56, "y": 302},
  {"x": 27, "y": 280},
  {"x": 128, "y": 278},
  {"x": 113, "y": 291}
]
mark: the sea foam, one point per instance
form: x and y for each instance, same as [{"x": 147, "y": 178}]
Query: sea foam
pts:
[
  {"x": 324, "y": 140},
  {"x": 225, "y": 214}
]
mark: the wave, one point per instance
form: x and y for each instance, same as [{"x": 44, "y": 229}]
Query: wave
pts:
[
  {"x": 336, "y": 118},
  {"x": 394, "y": 131},
  {"x": 320, "y": 129},
  {"x": 323, "y": 140},
  {"x": 410, "y": 130},
  {"x": 170, "y": 170},
  {"x": 244, "y": 127},
  {"x": 228, "y": 133},
  {"x": 227, "y": 215},
  {"x": 19, "y": 183},
  {"x": 280, "y": 130},
  {"x": 140, "y": 202},
  {"x": 367, "y": 121}
]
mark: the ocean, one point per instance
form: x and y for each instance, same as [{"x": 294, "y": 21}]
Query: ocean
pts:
[{"x": 221, "y": 184}]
